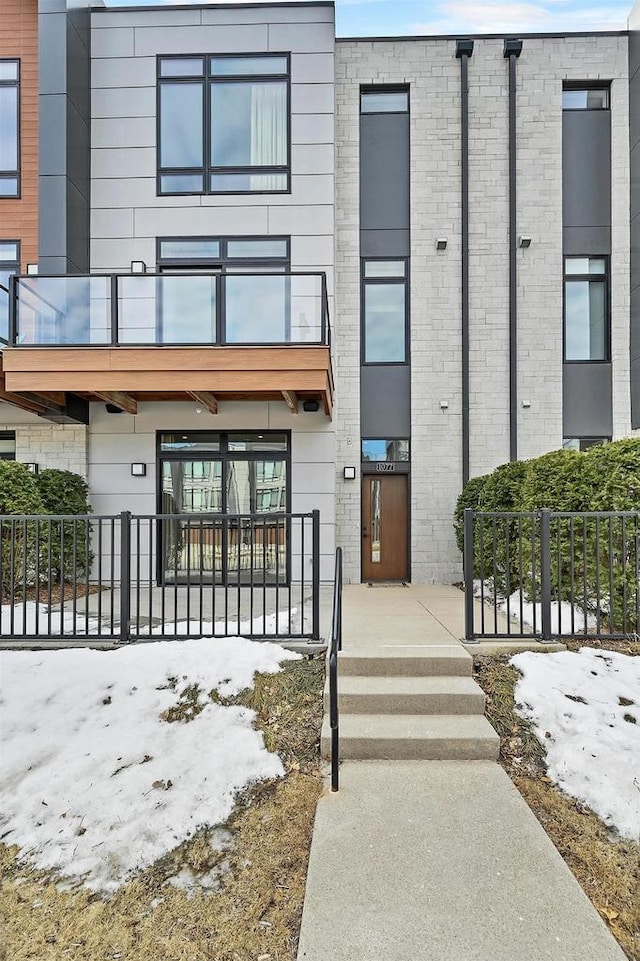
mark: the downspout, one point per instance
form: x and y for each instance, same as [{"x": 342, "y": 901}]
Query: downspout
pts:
[
  {"x": 464, "y": 50},
  {"x": 512, "y": 50}
]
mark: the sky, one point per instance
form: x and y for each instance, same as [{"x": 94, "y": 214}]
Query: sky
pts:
[{"x": 406, "y": 17}]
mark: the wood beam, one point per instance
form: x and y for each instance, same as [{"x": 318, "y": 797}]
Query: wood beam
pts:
[
  {"x": 206, "y": 399},
  {"x": 291, "y": 400},
  {"x": 56, "y": 398},
  {"x": 23, "y": 403},
  {"x": 118, "y": 398}
]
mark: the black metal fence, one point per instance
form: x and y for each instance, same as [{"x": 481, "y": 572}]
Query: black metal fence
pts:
[
  {"x": 129, "y": 577},
  {"x": 552, "y": 574}
]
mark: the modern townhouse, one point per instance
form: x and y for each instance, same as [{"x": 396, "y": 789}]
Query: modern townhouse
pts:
[{"x": 279, "y": 270}]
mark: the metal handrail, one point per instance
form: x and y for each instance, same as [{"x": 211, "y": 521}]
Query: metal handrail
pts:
[{"x": 335, "y": 647}]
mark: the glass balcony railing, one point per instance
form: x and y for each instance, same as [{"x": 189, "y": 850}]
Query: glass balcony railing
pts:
[{"x": 205, "y": 309}]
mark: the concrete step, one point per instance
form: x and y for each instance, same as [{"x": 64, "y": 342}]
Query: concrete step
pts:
[
  {"x": 413, "y": 737},
  {"x": 409, "y": 661},
  {"x": 407, "y": 695}
]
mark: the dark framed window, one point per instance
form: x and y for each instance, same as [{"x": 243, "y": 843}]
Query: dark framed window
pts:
[
  {"x": 583, "y": 443},
  {"x": 224, "y": 254},
  {"x": 384, "y": 304},
  {"x": 9, "y": 128},
  {"x": 224, "y": 124},
  {"x": 384, "y": 99},
  {"x": 9, "y": 264},
  {"x": 585, "y": 96},
  {"x": 377, "y": 449},
  {"x": 7, "y": 445},
  {"x": 224, "y": 473},
  {"x": 586, "y": 309}
]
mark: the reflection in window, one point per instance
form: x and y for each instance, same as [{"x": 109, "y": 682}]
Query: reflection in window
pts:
[
  {"x": 9, "y": 264},
  {"x": 240, "y": 141},
  {"x": 385, "y": 450},
  {"x": 383, "y": 100},
  {"x": 9, "y": 128},
  {"x": 583, "y": 443},
  {"x": 384, "y": 323},
  {"x": 586, "y": 309},
  {"x": 585, "y": 98},
  {"x": 376, "y": 521}
]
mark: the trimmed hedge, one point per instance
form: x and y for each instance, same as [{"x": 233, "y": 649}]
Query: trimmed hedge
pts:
[
  {"x": 64, "y": 492},
  {"x": 19, "y": 494},
  {"x": 470, "y": 497}
]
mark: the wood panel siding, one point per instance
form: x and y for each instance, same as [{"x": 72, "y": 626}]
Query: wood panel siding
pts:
[
  {"x": 19, "y": 40},
  {"x": 241, "y": 372}
]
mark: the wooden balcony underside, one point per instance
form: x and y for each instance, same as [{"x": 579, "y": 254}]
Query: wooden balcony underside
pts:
[{"x": 171, "y": 373}]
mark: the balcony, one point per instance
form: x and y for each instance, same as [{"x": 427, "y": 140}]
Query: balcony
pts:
[{"x": 135, "y": 337}]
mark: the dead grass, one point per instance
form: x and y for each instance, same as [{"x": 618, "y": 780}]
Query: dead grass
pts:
[
  {"x": 256, "y": 912},
  {"x": 607, "y": 869}
]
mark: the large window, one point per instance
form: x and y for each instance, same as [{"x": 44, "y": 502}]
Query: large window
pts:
[
  {"x": 384, "y": 311},
  {"x": 9, "y": 128},
  {"x": 9, "y": 264},
  {"x": 203, "y": 472},
  {"x": 586, "y": 309},
  {"x": 223, "y": 124}
]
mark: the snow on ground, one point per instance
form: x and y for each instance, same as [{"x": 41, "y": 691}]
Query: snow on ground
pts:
[
  {"x": 517, "y": 607},
  {"x": 585, "y": 711},
  {"x": 33, "y": 620},
  {"x": 93, "y": 783}
]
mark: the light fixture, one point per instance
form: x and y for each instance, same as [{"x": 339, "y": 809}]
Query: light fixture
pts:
[
  {"x": 32, "y": 468},
  {"x": 310, "y": 406},
  {"x": 441, "y": 243},
  {"x": 112, "y": 409},
  {"x": 444, "y": 405},
  {"x": 524, "y": 242},
  {"x": 349, "y": 473},
  {"x": 526, "y": 404},
  {"x": 32, "y": 269},
  {"x": 138, "y": 267},
  {"x": 138, "y": 470}
]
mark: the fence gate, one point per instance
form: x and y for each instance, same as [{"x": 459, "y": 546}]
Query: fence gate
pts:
[{"x": 131, "y": 577}]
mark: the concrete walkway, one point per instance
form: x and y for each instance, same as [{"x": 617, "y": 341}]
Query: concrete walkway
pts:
[{"x": 435, "y": 860}]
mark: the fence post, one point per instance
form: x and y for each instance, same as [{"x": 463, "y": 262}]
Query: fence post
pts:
[
  {"x": 315, "y": 575},
  {"x": 469, "y": 516},
  {"x": 545, "y": 572},
  {"x": 125, "y": 576}
]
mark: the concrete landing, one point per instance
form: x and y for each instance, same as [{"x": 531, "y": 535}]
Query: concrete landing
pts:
[{"x": 440, "y": 861}]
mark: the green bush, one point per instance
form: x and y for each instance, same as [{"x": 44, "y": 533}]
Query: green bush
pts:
[
  {"x": 556, "y": 481},
  {"x": 18, "y": 495},
  {"x": 612, "y": 475},
  {"x": 470, "y": 497},
  {"x": 502, "y": 490},
  {"x": 496, "y": 544},
  {"x": 64, "y": 492}
]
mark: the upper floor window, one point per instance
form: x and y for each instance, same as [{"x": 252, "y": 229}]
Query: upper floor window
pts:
[
  {"x": 586, "y": 97},
  {"x": 9, "y": 264},
  {"x": 223, "y": 124},
  {"x": 9, "y": 128},
  {"x": 586, "y": 308},
  {"x": 384, "y": 100},
  {"x": 384, "y": 311}
]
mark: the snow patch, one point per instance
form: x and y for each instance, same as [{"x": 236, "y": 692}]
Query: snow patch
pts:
[
  {"x": 94, "y": 785},
  {"x": 585, "y": 710}
]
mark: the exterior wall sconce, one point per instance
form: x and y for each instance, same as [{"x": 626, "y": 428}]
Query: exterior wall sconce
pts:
[
  {"x": 310, "y": 406},
  {"x": 444, "y": 405},
  {"x": 524, "y": 242},
  {"x": 138, "y": 470},
  {"x": 32, "y": 468},
  {"x": 32, "y": 269},
  {"x": 526, "y": 404},
  {"x": 441, "y": 243},
  {"x": 349, "y": 473},
  {"x": 138, "y": 267}
]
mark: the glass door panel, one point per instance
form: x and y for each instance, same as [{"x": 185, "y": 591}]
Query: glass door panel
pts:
[
  {"x": 257, "y": 546},
  {"x": 192, "y": 547}
]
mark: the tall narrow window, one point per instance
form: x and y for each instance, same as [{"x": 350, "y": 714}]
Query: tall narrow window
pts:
[
  {"x": 9, "y": 264},
  {"x": 223, "y": 124},
  {"x": 384, "y": 312},
  {"x": 9, "y": 128},
  {"x": 586, "y": 309}
]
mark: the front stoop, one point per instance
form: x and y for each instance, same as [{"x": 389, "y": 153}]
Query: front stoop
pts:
[{"x": 410, "y": 704}]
